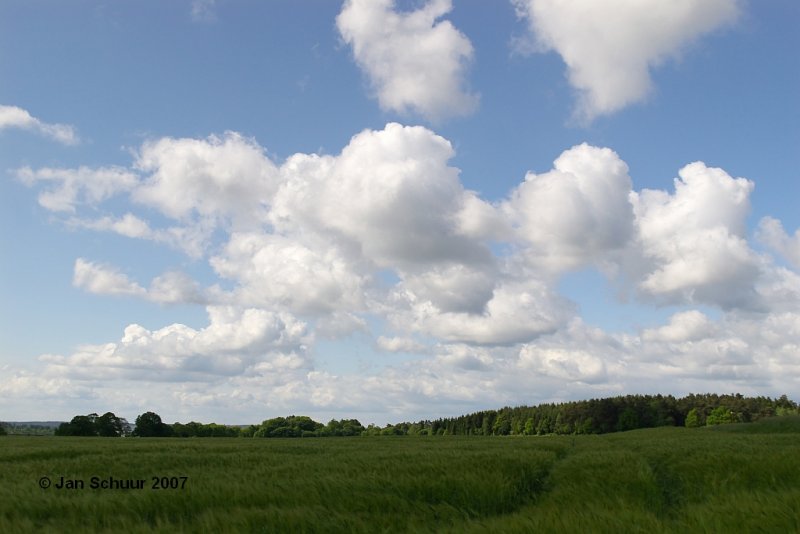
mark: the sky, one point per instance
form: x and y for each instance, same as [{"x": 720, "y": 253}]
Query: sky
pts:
[{"x": 230, "y": 210}]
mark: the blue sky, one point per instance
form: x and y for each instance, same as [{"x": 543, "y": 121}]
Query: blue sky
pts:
[{"x": 230, "y": 210}]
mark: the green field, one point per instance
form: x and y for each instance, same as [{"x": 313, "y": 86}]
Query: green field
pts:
[{"x": 731, "y": 478}]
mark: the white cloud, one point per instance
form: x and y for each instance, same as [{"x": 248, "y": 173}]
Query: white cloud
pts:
[
  {"x": 16, "y": 117},
  {"x": 175, "y": 287},
  {"x": 27, "y": 385},
  {"x": 235, "y": 369},
  {"x": 453, "y": 287},
  {"x": 129, "y": 225},
  {"x": 388, "y": 201},
  {"x": 172, "y": 287},
  {"x": 609, "y": 46},
  {"x": 384, "y": 236},
  {"x": 577, "y": 213},
  {"x": 771, "y": 233},
  {"x": 691, "y": 348},
  {"x": 192, "y": 239},
  {"x": 479, "y": 219},
  {"x": 515, "y": 313},
  {"x": 73, "y": 187},
  {"x": 415, "y": 61},
  {"x": 235, "y": 341},
  {"x": 390, "y": 193},
  {"x": 400, "y": 344},
  {"x": 461, "y": 358},
  {"x": 103, "y": 280},
  {"x": 778, "y": 288},
  {"x": 311, "y": 235},
  {"x": 219, "y": 177},
  {"x": 693, "y": 241},
  {"x": 273, "y": 270},
  {"x": 339, "y": 324},
  {"x": 307, "y": 236},
  {"x": 570, "y": 365},
  {"x": 691, "y": 325}
]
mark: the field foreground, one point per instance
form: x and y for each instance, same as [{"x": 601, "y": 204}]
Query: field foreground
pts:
[{"x": 732, "y": 478}]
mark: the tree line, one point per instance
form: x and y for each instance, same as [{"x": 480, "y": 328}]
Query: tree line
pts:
[
  {"x": 615, "y": 414},
  {"x": 149, "y": 424},
  {"x": 106, "y": 425},
  {"x": 594, "y": 416}
]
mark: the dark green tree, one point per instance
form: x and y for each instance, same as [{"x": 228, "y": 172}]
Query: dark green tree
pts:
[
  {"x": 109, "y": 425},
  {"x": 502, "y": 423},
  {"x": 345, "y": 427},
  {"x": 149, "y": 425},
  {"x": 720, "y": 416},
  {"x": 529, "y": 427},
  {"x": 692, "y": 419},
  {"x": 628, "y": 420},
  {"x": 80, "y": 425},
  {"x": 248, "y": 431}
]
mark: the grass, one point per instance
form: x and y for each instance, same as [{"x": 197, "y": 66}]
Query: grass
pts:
[{"x": 736, "y": 478}]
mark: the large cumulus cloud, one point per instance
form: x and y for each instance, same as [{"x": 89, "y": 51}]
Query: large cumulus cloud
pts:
[
  {"x": 694, "y": 241},
  {"x": 236, "y": 340},
  {"x": 609, "y": 46},
  {"x": 414, "y": 61},
  {"x": 577, "y": 213},
  {"x": 384, "y": 240}
]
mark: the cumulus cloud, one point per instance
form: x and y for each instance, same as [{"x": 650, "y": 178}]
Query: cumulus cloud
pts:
[
  {"x": 400, "y": 344},
  {"x": 192, "y": 239},
  {"x": 173, "y": 287},
  {"x": 610, "y": 46},
  {"x": 771, "y": 233},
  {"x": 103, "y": 280},
  {"x": 72, "y": 187},
  {"x": 389, "y": 200},
  {"x": 27, "y": 385},
  {"x": 236, "y": 340},
  {"x": 693, "y": 241},
  {"x": 515, "y": 313},
  {"x": 230, "y": 378},
  {"x": 453, "y": 287},
  {"x": 778, "y": 288},
  {"x": 274, "y": 270},
  {"x": 223, "y": 177},
  {"x": 311, "y": 235},
  {"x": 570, "y": 365},
  {"x": 339, "y": 324},
  {"x": 690, "y": 325},
  {"x": 16, "y": 117},
  {"x": 129, "y": 225},
  {"x": 390, "y": 192},
  {"x": 461, "y": 358},
  {"x": 577, "y": 213},
  {"x": 384, "y": 233},
  {"x": 307, "y": 236},
  {"x": 692, "y": 348},
  {"x": 414, "y": 61}
]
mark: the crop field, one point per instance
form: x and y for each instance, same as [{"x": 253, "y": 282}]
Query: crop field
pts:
[{"x": 731, "y": 478}]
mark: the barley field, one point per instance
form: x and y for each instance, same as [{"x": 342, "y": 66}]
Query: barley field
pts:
[{"x": 730, "y": 478}]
